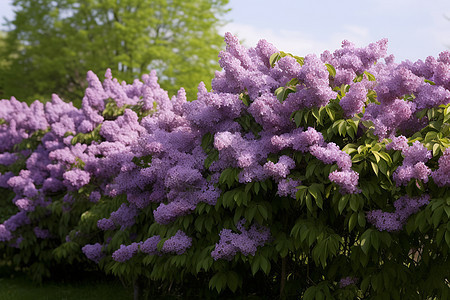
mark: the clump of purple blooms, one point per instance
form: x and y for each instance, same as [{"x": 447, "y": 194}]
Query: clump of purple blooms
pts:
[
  {"x": 178, "y": 243},
  {"x": 442, "y": 175},
  {"x": 413, "y": 166},
  {"x": 93, "y": 252},
  {"x": 405, "y": 206},
  {"x": 152, "y": 154},
  {"x": 125, "y": 253},
  {"x": 346, "y": 281},
  {"x": 246, "y": 242}
]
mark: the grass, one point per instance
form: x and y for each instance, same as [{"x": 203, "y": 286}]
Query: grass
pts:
[{"x": 16, "y": 286}]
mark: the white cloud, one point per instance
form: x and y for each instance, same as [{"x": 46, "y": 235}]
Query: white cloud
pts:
[{"x": 296, "y": 41}]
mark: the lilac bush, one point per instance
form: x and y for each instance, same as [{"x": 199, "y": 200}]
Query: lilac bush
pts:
[{"x": 335, "y": 166}]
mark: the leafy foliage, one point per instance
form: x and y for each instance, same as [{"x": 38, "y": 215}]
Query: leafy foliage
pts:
[
  {"x": 52, "y": 44},
  {"x": 270, "y": 190}
]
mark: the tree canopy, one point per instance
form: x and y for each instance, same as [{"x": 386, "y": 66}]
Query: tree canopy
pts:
[{"x": 52, "y": 44}]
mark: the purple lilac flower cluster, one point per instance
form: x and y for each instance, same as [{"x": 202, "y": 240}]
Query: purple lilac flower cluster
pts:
[
  {"x": 177, "y": 244},
  {"x": 56, "y": 165},
  {"x": 442, "y": 175},
  {"x": 346, "y": 281},
  {"x": 125, "y": 253},
  {"x": 413, "y": 166},
  {"x": 93, "y": 252},
  {"x": 405, "y": 206},
  {"x": 246, "y": 242},
  {"x": 155, "y": 155},
  {"x": 312, "y": 141}
]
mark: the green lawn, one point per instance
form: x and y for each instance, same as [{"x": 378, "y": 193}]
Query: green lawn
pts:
[{"x": 16, "y": 286}]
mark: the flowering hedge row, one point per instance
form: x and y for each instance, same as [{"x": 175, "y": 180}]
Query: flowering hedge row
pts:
[{"x": 320, "y": 176}]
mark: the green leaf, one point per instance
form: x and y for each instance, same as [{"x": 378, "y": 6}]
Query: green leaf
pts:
[
  {"x": 331, "y": 70},
  {"x": 232, "y": 280},
  {"x": 256, "y": 187},
  {"x": 436, "y": 149},
  {"x": 370, "y": 76},
  {"x": 298, "y": 116},
  {"x": 354, "y": 203},
  {"x": 374, "y": 167},
  {"x": 365, "y": 284},
  {"x": 447, "y": 238},
  {"x": 274, "y": 58},
  {"x": 343, "y": 203},
  {"x": 255, "y": 264},
  {"x": 309, "y": 203},
  {"x": 263, "y": 211},
  {"x": 365, "y": 240},
  {"x": 377, "y": 156},
  {"x": 245, "y": 99},
  {"x": 342, "y": 128},
  {"x": 437, "y": 216},
  {"x": 352, "y": 221},
  {"x": 316, "y": 191},
  {"x": 375, "y": 240},
  {"x": 361, "y": 219}
]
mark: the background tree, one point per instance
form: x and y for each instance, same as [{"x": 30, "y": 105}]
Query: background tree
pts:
[{"x": 52, "y": 44}]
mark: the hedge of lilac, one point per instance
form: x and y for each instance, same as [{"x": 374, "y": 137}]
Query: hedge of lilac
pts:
[{"x": 327, "y": 176}]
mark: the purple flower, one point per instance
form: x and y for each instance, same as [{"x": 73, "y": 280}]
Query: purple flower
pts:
[
  {"x": 398, "y": 143},
  {"x": 394, "y": 221},
  {"x": 93, "y": 252},
  {"x": 442, "y": 175},
  {"x": 76, "y": 178},
  {"x": 167, "y": 213},
  {"x": 124, "y": 216},
  {"x": 413, "y": 166},
  {"x": 106, "y": 224},
  {"x": 5, "y": 234},
  {"x": 125, "y": 253},
  {"x": 346, "y": 281},
  {"x": 7, "y": 158},
  {"x": 247, "y": 242},
  {"x": 353, "y": 102},
  {"x": 288, "y": 187},
  {"x": 149, "y": 246},
  {"x": 25, "y": 204},
  {"x": 16, "y": 221},
  {"x": 280, "y": 169},
  {"x": 178, "y": 243},
  {"x": 41, "y": 233},
  {"x": 347, "y": 180},
  {"x": 95, "y": 196}
]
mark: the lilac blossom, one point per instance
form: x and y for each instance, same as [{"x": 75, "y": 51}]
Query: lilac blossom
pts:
[
  {"x": 106, "y": 224},
  {"x": 280, "y": 169},
  {"x": 76, "y": 178},
  {"x": 124, "y": 216},
  {"x": 125, "y": 253},
  {"x": 178, "y": 243},
  {"x": 353, "y": 101},
  {"x": 405, "y": 206},
  {"x": 93, "y": 252},
  {"x": 95, "y": 196},
  {"x": 246, "y": 242},
  {"x": 41, "y": 233},
  {"x": 149, "y": 246},
  {"x": 288, "y": 188},
  {"x": 346, "y": 281},
  {"x": 441, "y": 176},
  {"x": 5, "y": 234},
  {"x": 413, "y": 167}
]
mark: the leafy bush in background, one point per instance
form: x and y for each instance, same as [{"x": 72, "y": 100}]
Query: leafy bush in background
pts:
[
  {"x": 316, "y": 177},
  {"x": 51, "y": 44}
]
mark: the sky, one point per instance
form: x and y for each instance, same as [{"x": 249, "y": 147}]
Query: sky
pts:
[{"x": 415, "y": 29}]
